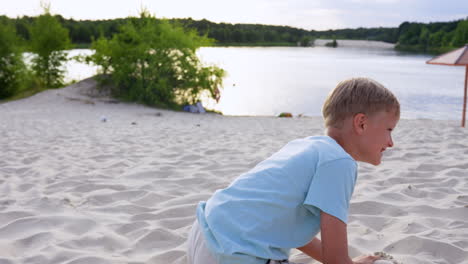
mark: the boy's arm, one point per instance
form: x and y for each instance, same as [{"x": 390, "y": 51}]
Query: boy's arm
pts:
[
  {"x": 313, "y": 249},
  {"x": 335, "y": 242}
]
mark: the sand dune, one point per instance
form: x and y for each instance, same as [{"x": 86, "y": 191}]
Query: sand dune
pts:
[{"x": 75, "y": 189}]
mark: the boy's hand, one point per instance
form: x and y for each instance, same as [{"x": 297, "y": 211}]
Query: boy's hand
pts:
[{"x": 365, "y": 259}]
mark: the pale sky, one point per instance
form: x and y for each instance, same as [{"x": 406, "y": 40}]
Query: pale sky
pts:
[{"x": 307, "y": 14}]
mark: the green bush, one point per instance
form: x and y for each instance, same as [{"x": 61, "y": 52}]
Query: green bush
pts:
[
  {"x": 306, "y": 41},
  {"x": 12, "y": 68},
  {"x": 153, "y": 62},
  {"x": 48, "y": 41}
]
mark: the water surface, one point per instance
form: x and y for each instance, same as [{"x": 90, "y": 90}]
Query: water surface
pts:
[{"x": 271, "y": 80}]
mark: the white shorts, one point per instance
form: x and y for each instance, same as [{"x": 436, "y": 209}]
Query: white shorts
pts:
[{"x": 197, "y": 252}]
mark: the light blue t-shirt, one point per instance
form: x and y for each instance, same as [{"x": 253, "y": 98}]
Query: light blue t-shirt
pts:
[{"x": 276, "y": 206}]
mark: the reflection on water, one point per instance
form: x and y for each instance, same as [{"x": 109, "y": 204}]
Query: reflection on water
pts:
[
  {"x": 267, "y": 81},
  {"x": 79, "y": 71}
]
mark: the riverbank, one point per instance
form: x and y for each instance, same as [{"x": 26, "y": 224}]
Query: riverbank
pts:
[{"x": 87, "y": 179}]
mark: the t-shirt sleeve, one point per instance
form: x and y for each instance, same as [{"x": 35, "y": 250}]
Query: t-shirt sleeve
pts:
[{"x": 331, "y": 188}]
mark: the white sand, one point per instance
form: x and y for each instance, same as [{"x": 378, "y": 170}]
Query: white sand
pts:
[{"x": 78, "y": 190}]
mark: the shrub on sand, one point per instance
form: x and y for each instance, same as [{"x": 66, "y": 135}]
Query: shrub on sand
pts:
[
  {"x": 12, "y": 68},
  {"x": 153, "y": 62},
  {"x": 49, "y": 39}
]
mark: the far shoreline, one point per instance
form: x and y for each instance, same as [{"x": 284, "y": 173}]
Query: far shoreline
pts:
[{"x": 316, "y": 43}]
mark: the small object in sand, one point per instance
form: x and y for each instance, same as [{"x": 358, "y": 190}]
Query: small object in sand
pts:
[
  {"x": 103, "y": 119},
  {"x": 134, "y": 123},
  {"x": 200, "y": 107},
  {"x": 285, "y": 114},
  {"x": 196, "y": 108},
  {"x": 158, "y": 114},
  {"x": 385, "y": 258}
]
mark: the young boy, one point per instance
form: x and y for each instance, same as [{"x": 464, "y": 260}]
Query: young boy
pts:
[{"x": 301, "y": 190}]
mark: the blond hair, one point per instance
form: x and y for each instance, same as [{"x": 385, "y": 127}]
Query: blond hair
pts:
[{"x": 357, "y": 95}]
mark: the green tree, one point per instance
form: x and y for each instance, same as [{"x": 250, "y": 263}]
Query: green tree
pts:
[
  {"x": 271, "y": 36},
  {"x": 306, "y": 41},
  {"x": 22, "y": 27},
  {"x": 447, "y": 39},
  {"x": 154, "y": 62},
  {"x": 48, "y": 41},
  {"x": 435, "y": 39},
  {"x": 238, "y": 36},
  {"x": 424, "y": 38},
  {"x": 461, "y": 34},
  {"x": 12, "y": 68}
]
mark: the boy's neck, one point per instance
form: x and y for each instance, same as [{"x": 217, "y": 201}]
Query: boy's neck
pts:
[{"x": 344, "y": 138}]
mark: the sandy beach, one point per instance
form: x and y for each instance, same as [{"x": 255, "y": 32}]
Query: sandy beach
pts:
[{"x": 75, "y": 189}]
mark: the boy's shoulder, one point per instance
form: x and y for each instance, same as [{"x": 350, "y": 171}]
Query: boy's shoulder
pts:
[
  {"x": 326, "y": 149},
  {"x": 307, "y": 153}
]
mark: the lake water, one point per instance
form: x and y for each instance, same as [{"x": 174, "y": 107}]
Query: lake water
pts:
[{"x": 271, "y": 80}]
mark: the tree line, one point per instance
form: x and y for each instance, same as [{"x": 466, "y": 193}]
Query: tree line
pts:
[
  {"x": 423, "y": 37},
  {"x": 82, "y": 32},
  {"x": 432, "y": 37}
]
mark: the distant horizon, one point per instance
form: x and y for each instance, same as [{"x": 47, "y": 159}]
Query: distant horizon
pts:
[
  {"x": 318, "y": 15},
  {"x": 102, "y": 19}
]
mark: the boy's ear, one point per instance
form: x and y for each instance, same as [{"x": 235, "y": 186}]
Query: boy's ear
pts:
[{"x": 360, "y": 123}]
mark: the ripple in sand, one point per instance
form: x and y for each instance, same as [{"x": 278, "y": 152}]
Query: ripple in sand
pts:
[
  {"x": 416, "y": 245},
  {"x": 102, "y": 242},
  {"x": 34, "y": 242},
  {"x": 115, "y": 196},
  {"x": 172, "y": 256},
  {"x": 130, "y": 227},
  {"x": 156, "y": 240},
  {"x": 7, "y": 217}
]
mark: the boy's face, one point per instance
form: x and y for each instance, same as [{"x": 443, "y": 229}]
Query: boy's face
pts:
[{"x": 377, "y": 136}]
